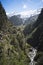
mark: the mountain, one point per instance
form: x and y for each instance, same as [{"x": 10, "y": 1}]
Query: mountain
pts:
[
  {"x": 37, "y": 36},
  {"x": 31, "y": 19},
  {"x": 14, "y": 45},
  {"x": 12, "y": 42},
  {"x": 29, "y": 24},
  {"x": 25, "y": 14},
  {"x": 22, "y": 18},
  {"x": 16, "y": 20}
]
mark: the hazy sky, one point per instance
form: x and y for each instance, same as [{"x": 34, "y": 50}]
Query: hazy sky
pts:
[{"x": 21, "y": 5}]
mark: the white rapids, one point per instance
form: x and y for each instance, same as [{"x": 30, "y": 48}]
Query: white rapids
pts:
[{"x": 31, "y": 55}]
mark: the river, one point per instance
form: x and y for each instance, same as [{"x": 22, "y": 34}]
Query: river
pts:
[{"x": 31, "y": 55}]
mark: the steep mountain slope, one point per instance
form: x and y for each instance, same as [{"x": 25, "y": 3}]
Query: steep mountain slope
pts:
[
  {"x": 3, "y": 17},
  {"x": 31, "y": 19},
  {"x": 36, "y": 39},
  {"x": 38, "y": 35},
  {"x": 12, "y": 43},
  {"x": 29, "y": 24},
  {"x": 16, "y": 20}
]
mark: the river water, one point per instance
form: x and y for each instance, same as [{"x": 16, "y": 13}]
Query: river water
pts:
[{"x": 31, "y": 55}]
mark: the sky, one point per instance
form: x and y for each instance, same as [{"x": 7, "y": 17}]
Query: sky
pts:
[{"x": 11, "y": 6}]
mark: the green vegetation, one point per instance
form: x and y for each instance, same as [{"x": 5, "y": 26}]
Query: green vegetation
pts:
[
  {"x": 15, "y": 41},
  {"x": 12, "y": 42}
]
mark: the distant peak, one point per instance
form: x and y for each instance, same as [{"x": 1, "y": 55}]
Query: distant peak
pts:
[{"x": 25, "y": 14}]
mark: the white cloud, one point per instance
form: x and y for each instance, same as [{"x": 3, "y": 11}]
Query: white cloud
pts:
[
  {"x": 24, "y": 6},
  {"x": 27, "y": 13}
]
